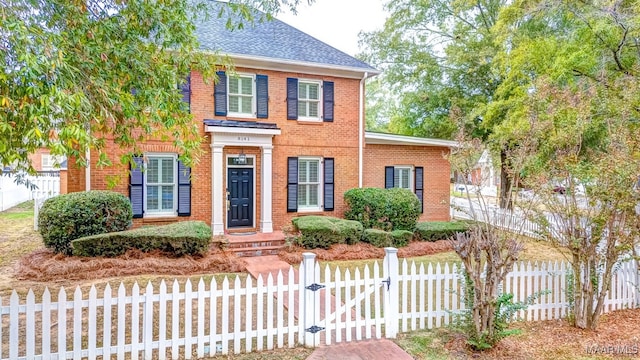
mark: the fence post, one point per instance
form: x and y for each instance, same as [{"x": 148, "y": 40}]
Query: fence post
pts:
[
  {"x": 306, "y": 308},
  {"x": 391, "y": 291}
]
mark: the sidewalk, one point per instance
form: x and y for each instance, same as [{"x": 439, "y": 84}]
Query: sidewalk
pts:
[{"x": 373, "y": 349}]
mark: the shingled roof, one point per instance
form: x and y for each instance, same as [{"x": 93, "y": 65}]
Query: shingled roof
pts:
[{"x": 272, "y": 39}]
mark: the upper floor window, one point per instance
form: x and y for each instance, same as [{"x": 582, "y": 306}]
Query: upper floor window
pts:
[
  {"x": 241, "y": 95},
  {"x": 309, "y": 100}
]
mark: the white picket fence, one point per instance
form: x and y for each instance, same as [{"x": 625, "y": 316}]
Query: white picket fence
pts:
[
  {"x": 501, "y": 218},
  {"x": 251, "y": 315},
  {"x": 11, "y": 194}
]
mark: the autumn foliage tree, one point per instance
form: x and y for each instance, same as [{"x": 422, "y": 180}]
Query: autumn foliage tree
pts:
[{"x": 73, "y": 72}]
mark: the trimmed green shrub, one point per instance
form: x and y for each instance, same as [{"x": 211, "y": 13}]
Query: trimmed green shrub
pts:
[
  {"x": 378, "y": 238},
  {"x": 385, "y": 209},
  {"x": 65, "y": 218},
  {"x": 181, "y": 238},
  {"x": 401, "y": 238},
  {"x": 439, "y": 230},
  {"x": 324, "y": 231}
]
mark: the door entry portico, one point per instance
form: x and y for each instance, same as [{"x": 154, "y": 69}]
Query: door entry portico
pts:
[{"x": 240, "y": 197}]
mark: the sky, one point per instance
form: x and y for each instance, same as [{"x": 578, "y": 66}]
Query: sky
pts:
[{"x": 338, "y": 22}]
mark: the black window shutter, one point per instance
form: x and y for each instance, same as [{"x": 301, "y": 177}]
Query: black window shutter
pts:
[
  {"x": 220, "y": 94},
  {"x": 184, "y": 190},
  {"x": 292, "y": 99},
  {"x": 388, "y": 177},
  {"x": 292, "y": 184},
  {"x": 186, "y": 92},
  {"x": 327, "y": 101},
  {"x": 136, "y": 187},
  {"x": 328, "y": 184},
  {"x": 419, "y": 185},
  {"x": 262, "y": 92}
]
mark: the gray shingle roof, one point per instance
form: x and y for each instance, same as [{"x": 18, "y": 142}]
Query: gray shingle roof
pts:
[{"x": 272, "y": 39}]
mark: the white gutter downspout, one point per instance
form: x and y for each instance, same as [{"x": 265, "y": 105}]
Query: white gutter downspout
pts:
[
  {"x": 87, "y": 171},
  {"x": 361, "y": 129}
]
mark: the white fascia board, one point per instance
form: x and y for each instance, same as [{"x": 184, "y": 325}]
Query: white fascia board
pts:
[
  {"x": 239, "y": 130},
  {"x": 393, "y": 139},
  {"x": 285, "y": 65}
]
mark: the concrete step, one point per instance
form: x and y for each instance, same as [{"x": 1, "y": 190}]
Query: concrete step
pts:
[
  {"x": 256, "y": 251},
  {"x": 256, "y": 244},
  {"x": 249, "y": 243}
]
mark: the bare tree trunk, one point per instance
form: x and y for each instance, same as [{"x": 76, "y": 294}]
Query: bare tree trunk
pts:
[{"x": 505, "y": 182}]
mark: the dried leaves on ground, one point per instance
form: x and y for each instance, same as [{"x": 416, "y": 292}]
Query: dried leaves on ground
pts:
[
  {"x": 44, "y": 265},
  {"x": 617, "y": 336},
  {"x": 364, "y": 251}
]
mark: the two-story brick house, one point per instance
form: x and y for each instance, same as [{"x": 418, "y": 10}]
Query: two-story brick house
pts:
[{"x": 284, "y": 137}]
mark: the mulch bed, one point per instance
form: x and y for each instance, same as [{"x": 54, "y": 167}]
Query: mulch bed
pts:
[
  {"x": 364, "y": 251},
  {"x": 557, "y": 339},
  {"x": 44, "y": 265}
]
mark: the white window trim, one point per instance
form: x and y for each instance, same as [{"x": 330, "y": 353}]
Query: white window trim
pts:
[
  {"x": 320, "y": 206},
  {"x": 153, "y": 214},
  {"x": 52, "y": 160},
  {"x": 253, "y": 114},
  {"x": 411, "y": 176},
  {"x": 320, "y": 97}
]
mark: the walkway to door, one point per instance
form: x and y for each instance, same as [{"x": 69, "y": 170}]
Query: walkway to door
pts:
[{"x": 375, "y": 349}]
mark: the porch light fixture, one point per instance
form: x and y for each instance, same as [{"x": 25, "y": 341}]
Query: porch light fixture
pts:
[{"x": 242, "y": 157}]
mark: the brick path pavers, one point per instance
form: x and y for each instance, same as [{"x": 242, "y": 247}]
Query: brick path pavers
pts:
[{"x": 374, "y": 349}]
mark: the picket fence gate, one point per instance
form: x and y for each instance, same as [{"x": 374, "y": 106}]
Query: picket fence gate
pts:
[{"x": 306, "y": 307}]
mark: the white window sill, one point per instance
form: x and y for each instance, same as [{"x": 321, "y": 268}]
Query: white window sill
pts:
[
  {"x": 310, "y": 120},
  {"x": 159, "y": 215},
  {"x": 310, "y": 210},
  {"x": 241, "y": 115}
]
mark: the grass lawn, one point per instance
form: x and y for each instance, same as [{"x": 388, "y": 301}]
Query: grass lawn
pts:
[{"x": 534, "y": 251}]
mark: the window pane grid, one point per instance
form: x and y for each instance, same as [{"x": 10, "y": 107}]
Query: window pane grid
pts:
[
  {"x": 402, "y": 178},
  {"x": 308, "y": 99},
  {"x": 308, "y": 183},
  {"x": 160, "y": 181},
  {"x": 241, "y": 95}
]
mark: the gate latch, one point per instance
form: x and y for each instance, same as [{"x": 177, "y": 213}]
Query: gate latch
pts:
[
  {"x": 315, "y": 287},
  {"x": 388, "y": 281}
]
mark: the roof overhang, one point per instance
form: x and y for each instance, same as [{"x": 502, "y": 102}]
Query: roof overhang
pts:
[
  {"x": 393, "y": 139},
  {"x": 285, "y": 65}
]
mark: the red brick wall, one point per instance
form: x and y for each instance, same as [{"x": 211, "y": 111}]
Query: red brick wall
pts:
[
  {"x": 36, "y": 158},
  {"x": 337, "y": 139},
  {"x": 436, "y": 173}
]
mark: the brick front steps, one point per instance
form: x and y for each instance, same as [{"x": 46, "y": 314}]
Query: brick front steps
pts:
[{"x": 257, "y": 244}]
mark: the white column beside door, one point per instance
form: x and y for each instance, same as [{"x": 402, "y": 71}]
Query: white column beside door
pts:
[
  {"x": 266, "y": 193},
  {"x": 217, "y": 187}
]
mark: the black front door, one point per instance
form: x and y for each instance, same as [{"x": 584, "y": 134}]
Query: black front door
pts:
[{"x": 240, "y": 197}]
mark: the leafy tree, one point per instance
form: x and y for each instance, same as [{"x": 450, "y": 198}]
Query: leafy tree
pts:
[
  {"x": 571, "y": 97},
  {"x": 76, "y": 72},
  {"x": 438, "y": 58}
]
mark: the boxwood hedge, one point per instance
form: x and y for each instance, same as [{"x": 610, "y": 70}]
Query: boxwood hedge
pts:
[
  {"x": 378, "y": 238},
  {"x": 181, "y": 238},
  {"x": 65, "y": 218},
  {"x": 324, "y": 231},
  {"x": 439, "y": 230},
  {"x": 385, "y": 209}
]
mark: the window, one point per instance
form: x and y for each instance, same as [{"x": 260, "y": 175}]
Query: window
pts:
[
  {"x": 309, "y": 100},
  {"x": 241, "y": 96},
  {"x": 402, "y": 177},
  {"x": 51, "y": 162},
  {"x": 160, "y": 182},
  {"x": 309, "y": 184}
]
